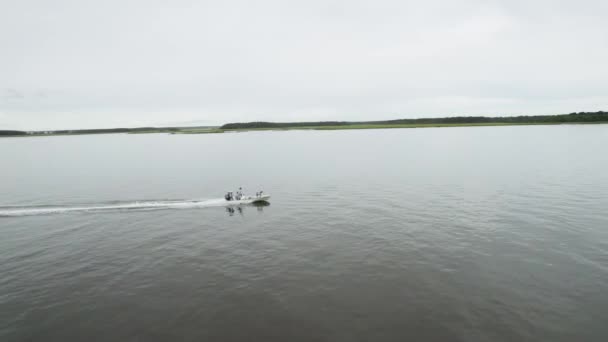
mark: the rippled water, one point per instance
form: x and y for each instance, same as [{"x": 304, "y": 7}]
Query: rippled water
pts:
[{"x": 446, "y": 234}]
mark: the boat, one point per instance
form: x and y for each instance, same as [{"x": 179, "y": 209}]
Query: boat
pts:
[{"x": 249, "y": 200}]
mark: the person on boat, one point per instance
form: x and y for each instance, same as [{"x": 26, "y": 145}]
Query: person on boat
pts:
[
  {"x": 228, "y": 196},
  {"x": 239, "y": 194}
]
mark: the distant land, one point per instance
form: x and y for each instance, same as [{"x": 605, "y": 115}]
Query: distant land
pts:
[
  {"x": 136, "y": 130},
  {"x": 454, "y": 121},
  {"x": 583, "y": 117}
]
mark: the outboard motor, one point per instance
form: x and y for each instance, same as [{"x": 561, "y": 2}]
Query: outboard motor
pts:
[{"x": 227, "y": 196}]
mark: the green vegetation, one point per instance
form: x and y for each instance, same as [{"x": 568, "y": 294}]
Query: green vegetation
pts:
[
  {"x": 11, "y": 133},
  {"x": 428, "y": 122},
  {"x": 458, "y": 121},
  {"x": 356, "y": 126},
  {"x": 199, "y": 131}
]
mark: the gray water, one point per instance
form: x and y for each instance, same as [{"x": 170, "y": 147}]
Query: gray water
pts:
[{"x": 435, "y": 234}]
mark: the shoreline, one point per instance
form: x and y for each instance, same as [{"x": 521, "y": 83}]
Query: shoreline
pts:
[{"x": 218, "y": 130}]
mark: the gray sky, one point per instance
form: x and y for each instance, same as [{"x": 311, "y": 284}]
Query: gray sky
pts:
[{"x": 81, "y": 64}]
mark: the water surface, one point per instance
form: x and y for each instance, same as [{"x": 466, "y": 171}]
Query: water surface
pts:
[{"x": 436, "y": 234}]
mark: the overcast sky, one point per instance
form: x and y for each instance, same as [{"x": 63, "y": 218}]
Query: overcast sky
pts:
[{"x": 109, "y": 63}]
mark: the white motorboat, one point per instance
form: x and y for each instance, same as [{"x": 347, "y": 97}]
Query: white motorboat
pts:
[{"x": 248, "y": 200}]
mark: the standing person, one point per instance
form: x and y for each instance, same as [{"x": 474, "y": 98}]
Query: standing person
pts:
[{"x": 239, "y": 193}]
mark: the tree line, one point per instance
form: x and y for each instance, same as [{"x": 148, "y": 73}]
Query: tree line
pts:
[
  {"x": 8, "y": 132},
  {"x": 563, "y": 118}
]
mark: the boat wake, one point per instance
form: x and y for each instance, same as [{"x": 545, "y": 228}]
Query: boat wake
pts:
[{"x": 14, "y": 211}]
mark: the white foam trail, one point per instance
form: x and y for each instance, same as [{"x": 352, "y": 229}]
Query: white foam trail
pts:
[{"x": 137, "y": 205}]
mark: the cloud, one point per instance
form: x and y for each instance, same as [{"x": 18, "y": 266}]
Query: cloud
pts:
[{"x": 101, "y": 64}]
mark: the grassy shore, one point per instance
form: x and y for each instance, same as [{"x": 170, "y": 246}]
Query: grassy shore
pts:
[
  {"x": 372, "y": 126},
  {"x": 388, "y": 126},
  {"x": 216, "y": 130},
  {"x": 199, "y": 131}
]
